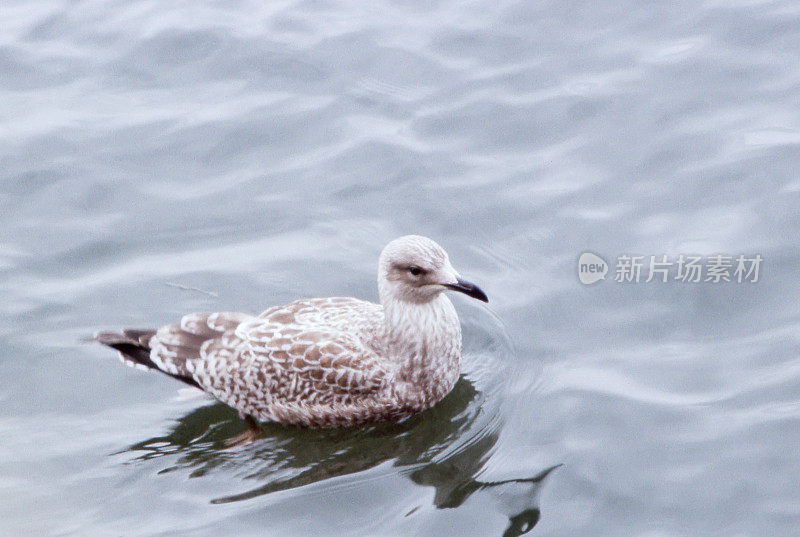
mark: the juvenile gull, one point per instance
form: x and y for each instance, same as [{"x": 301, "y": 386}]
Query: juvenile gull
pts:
[{"x": 323, "y": 362}]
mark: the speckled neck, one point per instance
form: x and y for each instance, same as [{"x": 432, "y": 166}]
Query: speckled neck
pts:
[{"x": 424, "y": 340}]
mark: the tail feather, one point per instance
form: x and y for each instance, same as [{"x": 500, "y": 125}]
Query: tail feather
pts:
[{"x": 134, "y": 350}]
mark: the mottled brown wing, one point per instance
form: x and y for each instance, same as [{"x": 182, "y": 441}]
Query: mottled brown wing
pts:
[
  {"x": 330, "y": 361},
  {"x": 295, "y": 357},
  {"x": 291, "y": 356},
  {"x": 178, "y": 349}
]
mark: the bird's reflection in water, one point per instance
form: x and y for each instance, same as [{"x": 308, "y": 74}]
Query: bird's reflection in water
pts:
[{"x": 444, "y": 448}]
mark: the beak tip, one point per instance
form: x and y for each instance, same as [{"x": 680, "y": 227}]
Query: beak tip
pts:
[{"x": 469, "y": 289}]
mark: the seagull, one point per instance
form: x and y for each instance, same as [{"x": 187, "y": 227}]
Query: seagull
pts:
[{"x": 323, "y": 362}]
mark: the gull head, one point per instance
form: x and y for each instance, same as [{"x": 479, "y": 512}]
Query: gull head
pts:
[{"x": 415, "y": 269}]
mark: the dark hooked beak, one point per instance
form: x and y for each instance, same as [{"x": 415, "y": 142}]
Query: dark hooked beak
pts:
[{"x": 469, "y": 289}]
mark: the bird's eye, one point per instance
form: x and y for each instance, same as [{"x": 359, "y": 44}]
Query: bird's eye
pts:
[{"x": 415, "y": 271}]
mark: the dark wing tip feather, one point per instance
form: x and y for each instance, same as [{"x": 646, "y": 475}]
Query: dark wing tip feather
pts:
[
  {"x": 129, "y": 344},
  {"x": 134, "y": 346}
]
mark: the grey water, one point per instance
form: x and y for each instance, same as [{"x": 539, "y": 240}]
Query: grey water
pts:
[{"x": 159, "y": 158}]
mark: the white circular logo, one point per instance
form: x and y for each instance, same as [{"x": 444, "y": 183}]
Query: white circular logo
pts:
[{"x": 591, "y": 268}]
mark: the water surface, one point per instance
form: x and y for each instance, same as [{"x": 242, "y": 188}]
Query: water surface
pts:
[{"x": 159, "y": 159}]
